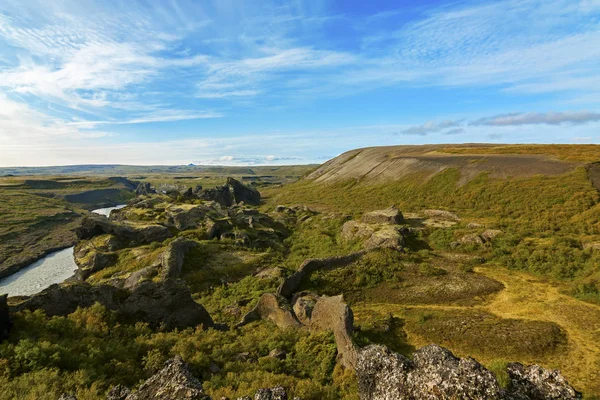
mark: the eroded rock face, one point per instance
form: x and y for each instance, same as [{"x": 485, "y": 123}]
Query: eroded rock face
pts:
[
  {"x": 5, "y": 323},
  {"x": 233, "y": 192},
  {"x": 174, "y": 256},
  {"x": 141, "y": 234},
  {"x": 144, "y": 188},
  {"x": 173, "y": 382},
  {"x": 435, "y": 373},
  {"x": 333, "y": 314},
  {"x": 390, "y": 215},
  {"x": 168, "y": 302}
]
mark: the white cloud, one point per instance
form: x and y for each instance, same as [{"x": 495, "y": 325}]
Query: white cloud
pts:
[
  {"x": 548, "y": 118},
  {"x": 430, "y": 127}
]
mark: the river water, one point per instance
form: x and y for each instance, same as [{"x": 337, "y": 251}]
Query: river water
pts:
[{"x": 54, "y": 268}]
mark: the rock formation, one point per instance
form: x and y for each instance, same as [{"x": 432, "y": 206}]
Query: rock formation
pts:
[
  {"x": 168, "y": 302},
  {"x": 173, "y": 257},
  {"x": 144, "y": 188},
  {"x": 136, "y": 233},
  {"x": 272, "y": 308},
  {"x": 435, "y": 373},
  {"x": 5, "y": 323},
  {"x": 292, "y": 283},
  {"x": 233, "y": 192},
  {"x": 390, "y": 215},
  {"x": 373, "y": 235}
]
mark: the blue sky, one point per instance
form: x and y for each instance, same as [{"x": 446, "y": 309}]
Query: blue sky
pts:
[{"x": 275, "y": 82}]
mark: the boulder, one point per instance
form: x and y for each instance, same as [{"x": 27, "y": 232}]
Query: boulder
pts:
[
  {"x": 187, "y": 216},
  {"x": 390, "y": 215},
  {"x": 535, "y": 382},
  {"x": 89, "y": 260},
  {"x": 243, "y": 193},
  {"x": 173, "y": 382},
  {"x": 435, "y": 373},
  {"x": 471, "y": 239},
  {"x": 174, "y": 256},
  {"x": 272, "y": 308},
  {"x": 303, "y": 305},
  {"x": 5, "y": 322},
  {"x": 441, "y": 214},
  {"x": 332, "y": 314},
  {"x": 388, "y": 237},
  {"x": 167, "y": 303},
  {"x": 354, "y": 230},
  {"x": 474, "y": 225}
]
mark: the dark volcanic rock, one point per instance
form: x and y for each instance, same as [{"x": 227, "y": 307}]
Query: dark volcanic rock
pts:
[
  {"x": 168, "y": 302},
  {"x": 233, "y": 192},
  {"x": 243, "y": 193},
  {"x": 144, "y": 188},
  {"x": 97, "y": 225},
  {"x": 173, "y": 382},
  {"x": 5, "y": 323},
  {"x": 435, "y": 373}
]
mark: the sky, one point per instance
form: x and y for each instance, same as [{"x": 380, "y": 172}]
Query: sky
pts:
[{"x": 225, "y": 82}]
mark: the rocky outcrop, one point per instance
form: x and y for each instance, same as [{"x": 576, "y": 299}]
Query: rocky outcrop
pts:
[
  {"x": 173, "y": 382},
  {"x": 390, "y": 215},
  {"x": 92, "y": 261},
  {"x": 139, "y": 276},
  {"x": 243, "y": 193},
  {"x": 144, "y": 188},
  {"x": 168, "y": 302},
  {"x": 293, "y": 282},
  {"x": 133, "y": 233},
  {"x": 190, "y": 216},
  {"x": 272, "y": 308},
  {"x": 332, "y": 314},
  {"x": 5, "y": 323},
  {"x": 174, "y": 256},
  {"x": 535, "y": 382},
  {"x": 233, "y": 192},
  {"x": 435, "y": 373}
]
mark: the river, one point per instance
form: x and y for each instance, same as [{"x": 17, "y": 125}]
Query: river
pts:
[{"x": 54, "y": 268}]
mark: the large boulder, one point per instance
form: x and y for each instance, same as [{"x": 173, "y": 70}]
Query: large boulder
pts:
[
  {"x": 332, "y": 314},
  {"x": 535, "y": 382},
  {"x": 167, "y": 303},
  {"x": 243, "y": 193},
  {"x": 272, "y": 308},
  {"x": 435, "y": 373},
  {"x": 276, "y": 393},
  {"x": 173, "y": 382},
  {"x": 174, "y": 256},
  {"x": 5, "y": 323},
  {"x": 442, "y": 215},
  {"x": 390, "y": 215},
  {"x": 373, "y": 235}
]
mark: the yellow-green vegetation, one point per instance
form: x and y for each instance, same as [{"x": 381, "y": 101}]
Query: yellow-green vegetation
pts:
[
  {"x": 566, "y": 152},
  {"x": 88, "y": 351}
]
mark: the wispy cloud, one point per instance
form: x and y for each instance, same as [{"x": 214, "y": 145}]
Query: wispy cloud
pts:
[
  {"x": 549, "y": 118},
  {"x": 430, "y": 127}
]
